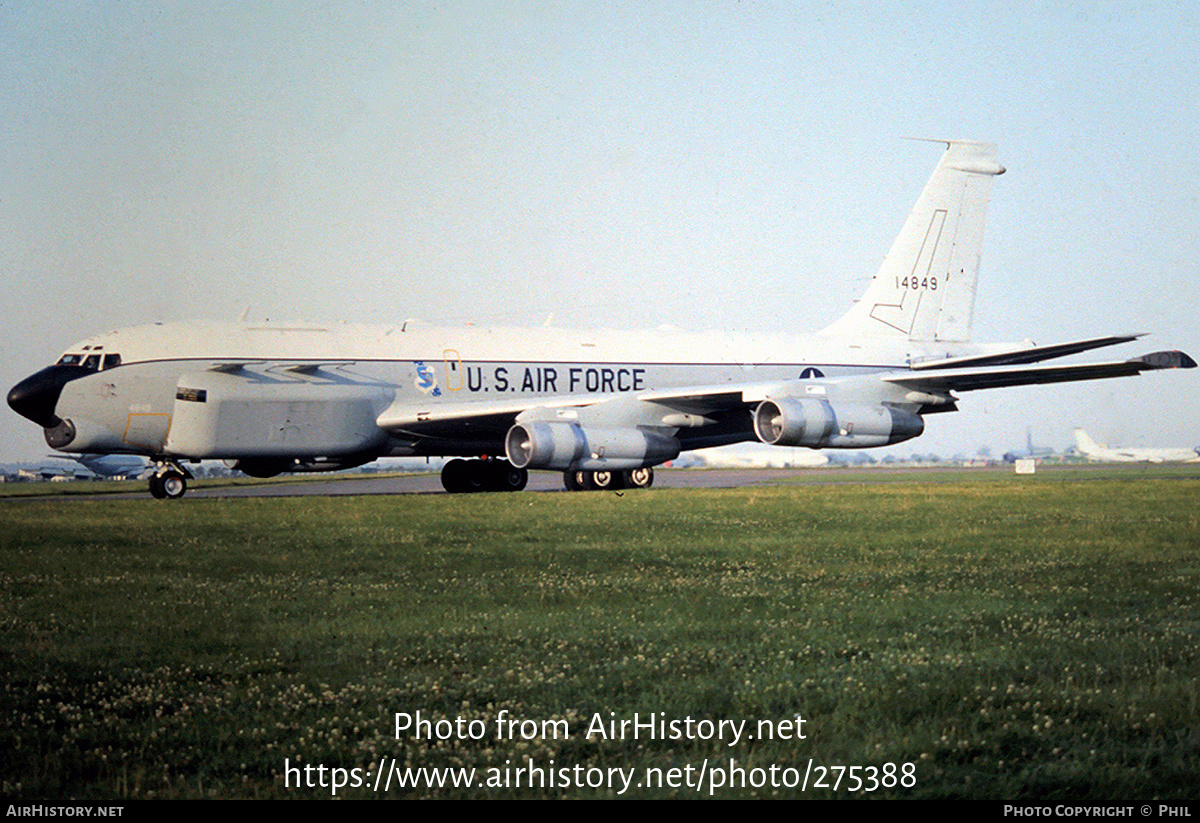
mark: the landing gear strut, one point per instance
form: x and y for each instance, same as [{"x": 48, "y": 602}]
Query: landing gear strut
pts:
[
  {"x": 169, "y": 481},
  {"x": 460, "y": 476}
]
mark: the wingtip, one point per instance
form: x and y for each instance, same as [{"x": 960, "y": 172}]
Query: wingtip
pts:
[{"x": 1167, "y": 360}]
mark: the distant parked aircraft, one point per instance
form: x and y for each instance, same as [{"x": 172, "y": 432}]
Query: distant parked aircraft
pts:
[
  {"x": 732, "y": 457},
  {"x": 96, "y": 465},
  {"x": 1030, "y": 451},
  {"x": 1097, "y": 451}
]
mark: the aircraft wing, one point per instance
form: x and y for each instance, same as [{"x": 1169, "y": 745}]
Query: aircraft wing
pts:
[
  {"x": 970, "y": 379},
  {"x": 1030, "y": 354},
  {"x": 693, "y": 399},
  {"x": 484, "y": 419},
  {"x": 715, "y": 410},
  {"x": 696, "y": 415},
  {"x": 985, "y": 372}
]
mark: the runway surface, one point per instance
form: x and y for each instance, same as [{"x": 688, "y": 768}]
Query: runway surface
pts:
[
  {"x": 548, "y": 481},
  {"x": 431, "y": 483},
  {"x": 538, "y": 481},
  {"x": 552, "y": 481}
]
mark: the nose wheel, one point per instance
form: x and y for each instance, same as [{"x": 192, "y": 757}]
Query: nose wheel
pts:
[{"x": 169, "y": 482}]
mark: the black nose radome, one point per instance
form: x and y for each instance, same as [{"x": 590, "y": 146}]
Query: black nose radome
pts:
[{"x": 36, "y": 396}]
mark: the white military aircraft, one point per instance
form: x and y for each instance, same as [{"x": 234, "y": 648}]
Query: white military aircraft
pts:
[
  {"x": 1125, "y": 454},
  {"x": 602, "y": 407}
]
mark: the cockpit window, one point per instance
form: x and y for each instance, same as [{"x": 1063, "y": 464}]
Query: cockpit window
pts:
[{"x": 92, "y": 362}]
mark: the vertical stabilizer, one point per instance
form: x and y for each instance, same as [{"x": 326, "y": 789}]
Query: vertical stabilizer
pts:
[
  {"x": 925, "y": 289},
  {"x": 1088, "y": 446}
]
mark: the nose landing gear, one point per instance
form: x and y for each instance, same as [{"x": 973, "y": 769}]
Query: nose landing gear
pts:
[{"x": 169, "y": 481}]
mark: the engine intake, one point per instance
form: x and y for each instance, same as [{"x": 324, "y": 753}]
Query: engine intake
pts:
[
  {"x": 792, "y": 421},
  {"x": 547, "y": 445}
]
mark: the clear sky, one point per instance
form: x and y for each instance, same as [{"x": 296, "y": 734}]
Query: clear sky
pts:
[{"x": 720, "y": 165}]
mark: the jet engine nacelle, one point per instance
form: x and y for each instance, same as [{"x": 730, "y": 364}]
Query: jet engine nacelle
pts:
[
  {"x": 553, "y": 445},
  {"x": 819, "y": 424}
]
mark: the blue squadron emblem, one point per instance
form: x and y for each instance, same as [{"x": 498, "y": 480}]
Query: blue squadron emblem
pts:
[{"x": 426, "y": 381}]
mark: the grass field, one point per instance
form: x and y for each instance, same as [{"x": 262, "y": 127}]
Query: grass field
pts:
[{"x": 966, "y": 634}]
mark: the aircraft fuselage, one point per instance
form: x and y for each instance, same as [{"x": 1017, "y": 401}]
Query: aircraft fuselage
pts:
[{"x": 288, "y": 382}]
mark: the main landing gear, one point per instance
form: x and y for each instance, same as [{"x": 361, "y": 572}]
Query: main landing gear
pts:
[
  {"x": 169, "y": 481},
  {"x": 460, "y": 476},
  {"x": 577, "y": 481}
]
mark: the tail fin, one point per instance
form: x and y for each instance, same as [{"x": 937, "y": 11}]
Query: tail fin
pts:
[
  {"x": 1086, "y": 444},
  {"x": 925, "y": 289}
]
